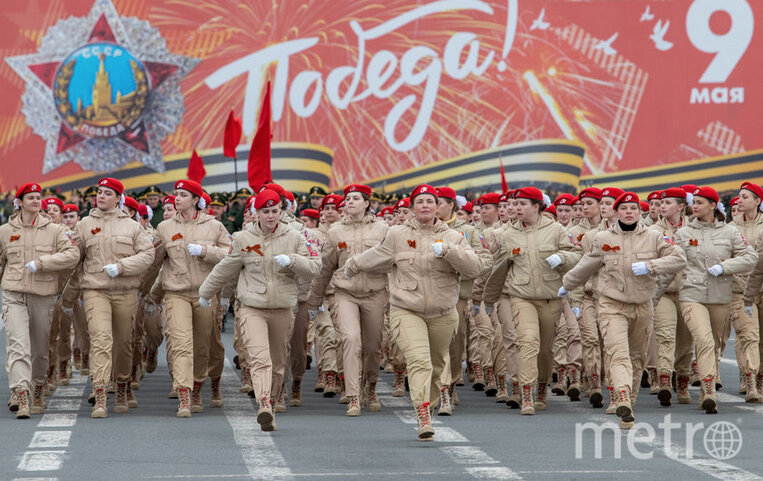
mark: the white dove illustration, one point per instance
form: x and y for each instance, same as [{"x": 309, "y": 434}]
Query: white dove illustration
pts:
[
  {"x": 658, "y": 36},
  {"x": 647, "y": 15},
  {"x": 539, "y": 23},
  {"x": 606, "y": 45}
]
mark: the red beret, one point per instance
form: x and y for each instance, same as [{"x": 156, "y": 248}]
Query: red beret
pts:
[
  {"x": 576, "y": 200},
  {"x": 551, "y": 209},
  {"x": 754, "y": 188},
  {"x": 70, "y": 208},
  {"x": 267, "y": 198},
  {"x": 53, "y": 200},
  {"x": 191, "y": 186},
  {"x": 131, "y": 203},
  {"x": 311, "y": 213},
  {"x": 341, "y": 204},
  {"x": 591, "y": 192},
  {"x": 331, "y": 199},
  {"x": 613, "y": 192},
  {"x": 363, "y": 189},
  {"x": 168, "y": 199},
  {"x": 690, "y": 188},
  {"x": 424, "y": 189},
  {"x": 27, "y": 188},
  {"x": 143, "y": 210},
  {"x": 734, "y": 201},
  {"x": 468, "y": 207},
  {"x": 276, "y": 188},
  {"x": 529, "y": 193},
  {"x": 708, "y": 193},
  {"x": 627, "y": 197},
  {"x": 673, "y": 192},
  {"x": 564, "y": 199},
  {"x": 503, "y": 198},
  {"x": 112, "y": 184},
  {"x": 489, "y": 198},
  {"x": 388, "y": 210},
  {"x": 644, "y": 206},
  {"x": 250, "y": 201},
  {"x": 446, "y": 193},
  {"x": 405, "y": 202},
  {"x": 511, "y": 194},
  {"x": 289, "y": 196},
  {"x": 654, "y": 195},
  {"x": 206, "y": 197}
]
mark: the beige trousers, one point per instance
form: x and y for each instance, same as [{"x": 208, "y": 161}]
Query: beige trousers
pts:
[
  {"x": 482, "y": 337},
  {"x": 458, "y": 343},
  {"x": 589, "y": 336},
  {"x": 298, "y": 342},
  {"x": 535, "y": 320},
  {"x": 509, "y": 335},
  {"x": 706, "y": 322},
  {"x": 265, "y": 335},
  {"x": 625, "y": 340},
  {"x": 110, "y": 320},
  {"x": 81, "y": 333},
  {"x": 27, "y": 319},
  {"x": 425, "y": 343},
  {"x": 747, "y": 341},
  {"x": 325, "y": 341},
  {"x": 188, "y": 328},
  {"x": 216, "y": 362},
  {"x": 359, "y": 322}
]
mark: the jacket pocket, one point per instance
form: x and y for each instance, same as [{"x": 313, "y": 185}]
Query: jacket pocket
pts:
[
  {"x": 645, "y": 256},
  {"x": 176, "y": 254},
  {"x": 611, "y": 275},
  {"x": 722, "y": 250},
  {"x": 407, "y": 284},
  {"x": 14, "y": 264},
  {"x": 40, "y": 251},
  {"x": 93, "y": 255},
  {"x": 123, "y": 247},
  {"x": 405, "y": 262}
]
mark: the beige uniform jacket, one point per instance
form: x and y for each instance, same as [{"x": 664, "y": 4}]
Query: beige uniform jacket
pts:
[
  {"x": 750, "y": 229},
  {"x": 705, "y": 245},
  {"x": 345, "y": 239},
  {"x": 668, "y": 232},
  {"x": 420, "y": 281},
  {"x": 490, "y": 239},
  {"x": 582, "y": 234},
  {"x": 755, "y": 281},
  {"x": 614, "y": 252},
  {"x": 113, "y": 237},
  {"x": 472, "y": 238},
  {"x": 47, "y": 244},
  {"x": 262, "y": 283},
  {"x": 521, "y": 269},
  {"x": 180, "y": 271}
]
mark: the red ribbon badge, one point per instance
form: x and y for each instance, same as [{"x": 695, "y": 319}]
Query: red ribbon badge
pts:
[
  {"x": 15, "y": 237},
  {"x": 580, "y": 237},
  {"x": 607, "y": 248},
  {"x": 177, "y": 236},
  {"x": 254, "y": 248},
  {"x": 693, "y": 242},
  {"x": 412, "y": 243},
  {"x": 341, "y": 245},
  {"x": 95, "y": 231},
  {"x": 515, "y": 251}
]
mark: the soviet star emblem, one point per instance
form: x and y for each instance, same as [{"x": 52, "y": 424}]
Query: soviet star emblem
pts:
[{"x": 102, "y": 91}]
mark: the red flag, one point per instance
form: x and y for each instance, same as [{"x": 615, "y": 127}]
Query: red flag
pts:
[
  {"x": 232, "y": 135},
  {"x": 196, "y": 171},
  {"x": 258, "y": 170},
  {"x": 504, "y": 184}
]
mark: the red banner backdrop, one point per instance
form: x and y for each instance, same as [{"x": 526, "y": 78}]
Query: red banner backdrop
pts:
[{"x": 396, "y": 85}]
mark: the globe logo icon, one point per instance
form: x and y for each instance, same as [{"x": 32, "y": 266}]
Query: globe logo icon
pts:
[{"x": 723, "y": 440}]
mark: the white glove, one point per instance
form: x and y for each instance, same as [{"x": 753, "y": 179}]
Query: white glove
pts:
[
  {"x": 716, "y": 270},
  {"x": 283, "y": 260},
  {"x": 475, "y": 309},
  {"x": 562, "y": 292},
  {"x": 554, "y": 260},
  {"x": 32, "y": 267},
  {"x": 576, "y": 311},
  {"x": 194, "y": 249},
  {"x": 225, "y": 304},
  {"x": 438, "y": 248},
  {"x": 748, "y": 311},
  {"x": 639, "y": 268},
  {"x": 489, "y": 309},
  {"x": 204, "y": 302},
  {"x": 69, "y": 311},
  {"x": 312, "y": 313},
  {"x": 112, "y": 270}
]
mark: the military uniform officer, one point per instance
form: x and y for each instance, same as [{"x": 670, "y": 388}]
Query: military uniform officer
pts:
[{"x": 154, "y": 200}]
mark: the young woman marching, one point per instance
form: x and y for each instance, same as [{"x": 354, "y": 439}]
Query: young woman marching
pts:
[
  {"x": 627, "y": 256},
  {"x": 32, "y": 252},
  {"x": 427, "y": 259},
  {"x": 715, "y": 251},
  {"x": 267, "y": 256},
  {"x": 532, "y": 249},
  {"x": 188, "y": 246},
  {"x": 359, "y": 303}
]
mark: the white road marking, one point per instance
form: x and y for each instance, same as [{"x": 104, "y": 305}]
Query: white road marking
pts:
[
  {"x": 449, "y": 435},
  {"x": 63, "y": 404},
  {"x": 468, "y": 455},
  {"x": 35, "y": 479},
  {"x": 57, "y": 420},
  {"x": 50, "y": 439},
  {"x": 70, "y": 391},
  {"x": 261, "y": 456},
  {"x": 705, "y": 464},
  {"x": 41, "y": 461},
  {"x": 395, "y": 402},
  {"x": 78, "y": 379},
  {"x": 492, "y": 472}
]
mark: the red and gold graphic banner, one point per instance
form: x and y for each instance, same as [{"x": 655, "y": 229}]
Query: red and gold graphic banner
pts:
[{"x": 374, "y": 89}]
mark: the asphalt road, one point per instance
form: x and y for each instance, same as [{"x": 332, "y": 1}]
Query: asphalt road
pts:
[{"x": 483, "y": 440}]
